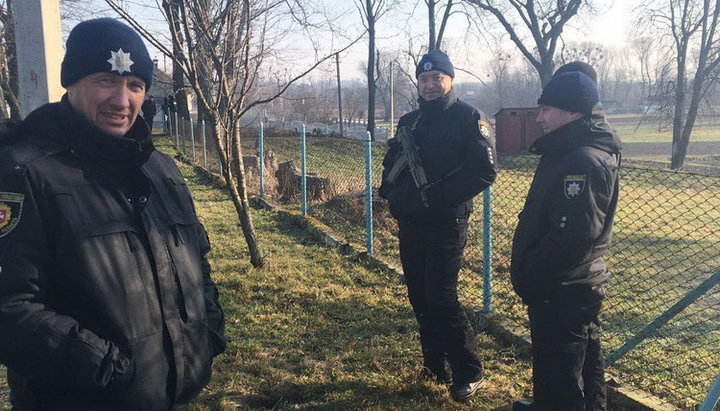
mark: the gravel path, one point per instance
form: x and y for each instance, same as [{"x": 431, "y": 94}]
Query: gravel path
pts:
[{"x": 696, "y": 148}]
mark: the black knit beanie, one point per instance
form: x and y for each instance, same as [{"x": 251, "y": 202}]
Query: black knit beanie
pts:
[
  {"x": 570, "y": 91},
  {"x": 435, "y": 60},
  {"x": 580, "y": 66},
  {"x": 105, "y": 45}
]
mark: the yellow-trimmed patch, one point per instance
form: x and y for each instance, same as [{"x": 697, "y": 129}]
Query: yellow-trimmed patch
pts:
[{"x": 10, "y": 210}]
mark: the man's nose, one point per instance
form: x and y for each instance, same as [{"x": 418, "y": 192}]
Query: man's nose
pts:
[{"x": 120, "y": 96}]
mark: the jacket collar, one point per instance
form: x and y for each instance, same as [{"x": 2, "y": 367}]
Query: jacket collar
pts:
[
  {"x": 594, "y": 131},
  {"x": 57, "y": 127},
  {"x": 439, "y": 104}
]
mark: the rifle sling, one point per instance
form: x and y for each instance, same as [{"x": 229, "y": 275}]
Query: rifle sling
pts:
[
  {"x": 403, "y": 162},
  {"x": 397, "y": 168}
]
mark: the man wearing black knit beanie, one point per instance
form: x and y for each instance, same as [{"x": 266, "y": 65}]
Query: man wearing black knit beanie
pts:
[
  {"x": 106, "y": 298},
  {"x": 442, "y": 156},
  {"x": 557, "y": 265}
]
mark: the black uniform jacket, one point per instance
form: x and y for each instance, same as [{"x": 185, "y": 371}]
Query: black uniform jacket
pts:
[
  {"x": 148, "y": 108},
  {"x": 457, "y": 148},
  {"x": 106, "y": 302},
  {"x": 565, "y": 226}
]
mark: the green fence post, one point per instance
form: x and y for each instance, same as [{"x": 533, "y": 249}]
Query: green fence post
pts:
[
  {"x": 192, "y": 138},
  {"x": 671, "y": 312},
  {"x": 368, "y": 194},
  {"x": 303, "y": 172},
  {"x": 487, "y": 250},
  {"x": 261, "y": 158},
  {"x": 712, "y": 397},
  {"x": 204, "y": 142}
]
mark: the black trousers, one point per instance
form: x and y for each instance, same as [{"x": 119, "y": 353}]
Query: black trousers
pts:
[
  {"x": 431, "y": 254},
  {"x": 568, "y": 365}
]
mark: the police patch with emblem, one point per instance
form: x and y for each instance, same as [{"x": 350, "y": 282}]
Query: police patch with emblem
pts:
[
  {"x": 10, "y": 210},
  {"x": 120, "y": 61},
  {"x": 485, "y": 129},
  {"x": 574, "y": 185}
]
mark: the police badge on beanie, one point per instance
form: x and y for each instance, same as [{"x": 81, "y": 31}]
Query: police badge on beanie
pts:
[
  {"x": 105, "y": 45},
  {"x": 570, "y": 91},
  {"x": 435, "y": 60}
]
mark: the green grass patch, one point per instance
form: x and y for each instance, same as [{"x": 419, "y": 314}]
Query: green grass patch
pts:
[
  {"x": 635, "y": 129},
  {"x": 318, "y": 330},
  {"x": 666, "y": 233}
]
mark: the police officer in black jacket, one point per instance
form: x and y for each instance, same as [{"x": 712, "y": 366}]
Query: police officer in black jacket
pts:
[
  {"x": 563, "y": 232},
  {"x": 106, "y": 299},
  {"x": 430, "y": 194}
]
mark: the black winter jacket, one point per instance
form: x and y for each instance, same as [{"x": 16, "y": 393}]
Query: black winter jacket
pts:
[
  {"x": 457, "y": 148},
  {"x": 106, "y": 301},
  {"x": 565, "y": 226}
]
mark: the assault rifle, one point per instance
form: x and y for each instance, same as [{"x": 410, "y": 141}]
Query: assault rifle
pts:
[{"x": 414, "y": 162}]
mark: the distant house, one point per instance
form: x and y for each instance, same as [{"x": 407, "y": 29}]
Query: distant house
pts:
[
  {"x": 516, "y": 129},
  {"x": 162, "y": 86},
  {"x": 612, "y": 107}
]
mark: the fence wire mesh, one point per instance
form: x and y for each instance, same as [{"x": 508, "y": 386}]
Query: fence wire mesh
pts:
[{"x": 665, "y": 242}]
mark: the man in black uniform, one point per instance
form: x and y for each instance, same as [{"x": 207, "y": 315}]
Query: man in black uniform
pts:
[
  {"x": 442, "y": 156},
  {"x": 106, "y": 300},
  {"x": 563, "y": 232},
  {"x": 149, "y": 108}
]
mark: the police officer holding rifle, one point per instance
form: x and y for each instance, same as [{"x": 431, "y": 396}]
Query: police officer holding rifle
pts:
[{"x": 442, "y": 156}]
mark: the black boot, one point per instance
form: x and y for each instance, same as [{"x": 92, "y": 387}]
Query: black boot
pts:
[{"x": 464, "y": 391}]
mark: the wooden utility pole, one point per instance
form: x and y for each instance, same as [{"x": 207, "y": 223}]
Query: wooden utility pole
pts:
[
  {"x": 392, "y": 98},
  {"x": 39, "y": 52},
  {"x": 337, "y": 65}
]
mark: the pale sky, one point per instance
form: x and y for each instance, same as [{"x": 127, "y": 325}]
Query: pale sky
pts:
[{"x": 606, "y": 26}]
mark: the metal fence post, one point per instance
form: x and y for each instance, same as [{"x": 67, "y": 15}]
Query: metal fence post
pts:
[
  {"x": 192, "y": 138},
  {"x": 184, "y": 135},
  {"x": 204, "y": 142},
  {"x": 487, "y": 250},
  {"x": 177, "y": 132},
  {"x": 671, "y": 312},
  {"x": 712, "y": 397},
  {"x": 303, "y": 172},
  {"x": 368, "y": 194},
  {"x": 261, "y": 159}
]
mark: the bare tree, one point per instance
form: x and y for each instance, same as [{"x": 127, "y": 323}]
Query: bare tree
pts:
[
  {"x": 8, "y": 63},
  {"x": 229, "y": 52},
  {"x": 536, "y": 27},
  {"x": 435, "y": 41},
  {"x": 500, "y": 66},
  {"x": 371, "y": 11},
  {"x": 691, "y": 26}
]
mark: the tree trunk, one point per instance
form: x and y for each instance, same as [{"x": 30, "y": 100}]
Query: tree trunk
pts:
[
  {"x": 11, "y": 89},
  {"x": 431, "y": 25},
  {"x": 232, "y": 164},
  {"x": 677, "y": 158},
  {"x": 238, "y": 189}
]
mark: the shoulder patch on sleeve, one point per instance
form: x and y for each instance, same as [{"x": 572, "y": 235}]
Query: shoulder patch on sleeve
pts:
[
  {"x": 485, "y": 129},
  {"x": 574, "y": 185},
  {"x": 10, "y": 211}
]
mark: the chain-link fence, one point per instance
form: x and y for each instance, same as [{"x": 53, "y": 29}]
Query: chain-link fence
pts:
[{"x": 666, "y": 242}]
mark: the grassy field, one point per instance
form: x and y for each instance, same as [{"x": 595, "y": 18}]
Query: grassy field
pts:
[
  {"x": 666, "y": 235},
  {"x": 635, "y": 129},
  {"x": 318, "y": 330}
]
